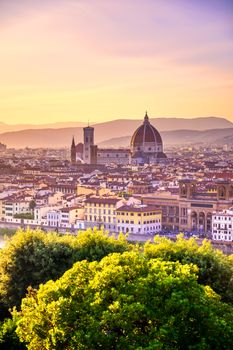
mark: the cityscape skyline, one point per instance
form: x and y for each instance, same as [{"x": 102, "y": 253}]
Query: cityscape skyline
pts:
[{"x": 100, "y": 60}]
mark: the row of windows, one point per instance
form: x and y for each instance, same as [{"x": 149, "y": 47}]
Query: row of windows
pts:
[
  {"x": 223, "y": 218},
  {"x": 132, "y": 214},
  {"x": 112, "y": 155},
  {"x": 96, "y": 218},
  {"x": 101, "y": 205},
  {"x": 222, "y": 226},
  {"x": 222, "y": 238},
  {"x": 221, "y": 231},
  {"x": 139, "y": 222},
  {"x": 139, "y": 230},
  {"x": 53, "y": 216},
  {"x": 104, "y": 211}
]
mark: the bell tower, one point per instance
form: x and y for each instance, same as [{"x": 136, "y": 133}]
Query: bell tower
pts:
[
  {"x": 73, "y": 152},
  {"x": 224, "y": 190},
  {"x": 88, "y": 135},
  {"x": 187, "y": 188}
]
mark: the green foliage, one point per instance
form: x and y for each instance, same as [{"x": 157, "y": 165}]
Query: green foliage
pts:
[
  {"x": 215, "y": 268},
  {"x": 156, "y": 296},
  {"x": 33, "y": 257},
  {"x": 30, "y": 258},
  {"x": 27, "y": 216},
  {"x": 95, "y": 244},
  {"x": 32, "y": 205},
  {"x": 7, "y": 231},
  {"x": 8, "y": 338},
  {"x": 125, "y": 301}
]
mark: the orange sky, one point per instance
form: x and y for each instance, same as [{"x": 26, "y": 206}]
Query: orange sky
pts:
[{"x": 102, "y": 60}]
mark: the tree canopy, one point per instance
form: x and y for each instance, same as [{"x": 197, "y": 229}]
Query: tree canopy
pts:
[
  {"x": 33, "y": 257},
  {"x": 125, "y": 301},
  {"x": 166, "y": 295},
  {"x": 215, "y": 268}
]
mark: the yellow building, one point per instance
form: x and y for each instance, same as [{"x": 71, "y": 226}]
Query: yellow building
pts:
[
  {"x": 138, "y": 219},
  {"x": 100, "y": 212}
]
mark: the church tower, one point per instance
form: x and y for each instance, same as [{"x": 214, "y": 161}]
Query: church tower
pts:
[
  {"x": 73, "y": 152},
  {"x": 89, "y": 149}
]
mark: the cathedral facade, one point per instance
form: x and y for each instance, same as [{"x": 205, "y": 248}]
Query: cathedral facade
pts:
[{"x": 146, "y": 147}]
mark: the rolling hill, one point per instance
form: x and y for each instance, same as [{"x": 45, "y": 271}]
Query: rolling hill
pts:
[
  {"x": 181, "y": 137},
  {"x": 118, "y": 132}
]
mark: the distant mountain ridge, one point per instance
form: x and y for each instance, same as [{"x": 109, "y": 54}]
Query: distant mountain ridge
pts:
[
  {"x": 112, "y": 133},
  {"x": 180, "y": 137},
  {"x": 18, "y": 127},
  {"x": 199, "y": 123}
]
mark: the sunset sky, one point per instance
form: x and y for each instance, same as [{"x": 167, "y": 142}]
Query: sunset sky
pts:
[{"x": 67, "y": 60}]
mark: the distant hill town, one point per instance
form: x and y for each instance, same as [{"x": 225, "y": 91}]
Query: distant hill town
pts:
[{"x": 116, "y": 133}]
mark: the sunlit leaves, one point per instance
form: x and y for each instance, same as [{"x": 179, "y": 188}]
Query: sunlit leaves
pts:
[{"x": 126, "y": 301}]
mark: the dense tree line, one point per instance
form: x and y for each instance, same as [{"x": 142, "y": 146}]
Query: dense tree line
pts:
[
  {"x": 97, "y": 292},
  {"x": 34, "y": 257}
]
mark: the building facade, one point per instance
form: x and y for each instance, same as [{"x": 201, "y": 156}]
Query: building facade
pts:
[
  {"x": 138, "y": 219},
  {"x": 101, "y": 212},
  {"x": 222, "y": 225},
  {"x": 191, "y": 210}
]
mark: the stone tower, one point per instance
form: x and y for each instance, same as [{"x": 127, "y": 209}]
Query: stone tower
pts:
[
  {"x": 88, "y": 141},
  {"x": 187, "y": 188},
  {"x": 73, "y": 152},
  {"x": 224, "y": 190}
]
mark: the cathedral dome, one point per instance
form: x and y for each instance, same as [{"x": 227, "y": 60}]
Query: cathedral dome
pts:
[{"x": 146, "y": 133}]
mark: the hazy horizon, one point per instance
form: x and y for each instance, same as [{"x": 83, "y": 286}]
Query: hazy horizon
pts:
[
  {"x": 67, "y": 58},
  {"x": 109, "y": 120}
]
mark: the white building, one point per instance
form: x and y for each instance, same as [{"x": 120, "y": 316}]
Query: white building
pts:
[
  {"x": 64, "y": 217},
  {"x": 15, "y": 206},
  {"x": 40, "y": 212},
  {"x": 53, "y": 218},
  {"x": 222, "y": 225}
]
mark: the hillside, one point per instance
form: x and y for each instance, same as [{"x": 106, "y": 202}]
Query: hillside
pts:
[
  {"x": 201, "y": 123},
  {"x": 181, "y": 137},
  {"x": 106, "y": 134},
  {"x": 17, "y": 127}
]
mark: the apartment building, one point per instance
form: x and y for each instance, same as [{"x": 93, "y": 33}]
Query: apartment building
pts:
[
  {"x": 101, "y": 212},
  {"x": 138, "y": 219},
  {"x": 222, "y": 225}
]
